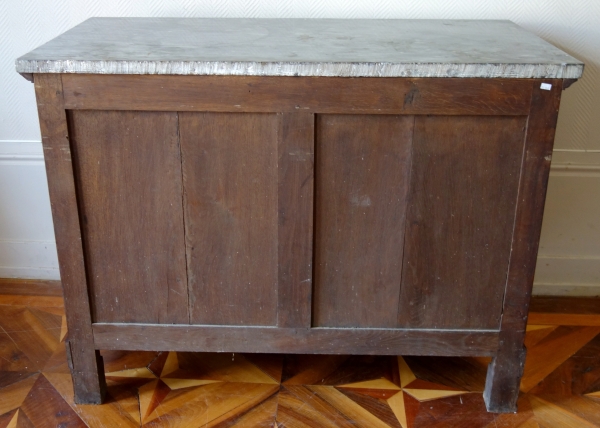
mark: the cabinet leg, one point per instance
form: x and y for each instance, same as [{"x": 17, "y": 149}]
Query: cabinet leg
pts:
[
  {"x": 89, "y": 386},
  {"x": 503, "y": 379}
]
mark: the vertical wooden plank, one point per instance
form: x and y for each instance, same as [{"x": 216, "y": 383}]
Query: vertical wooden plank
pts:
[
  {"x": 86, "y": 364},
  {"x": 362, "y": 170},
  {"x": 505, "y": 370},
  {"x": 128, "y": 166},
  {"x": 230, "y": 187},
  {"x": 295, "y": 235},
  {"x": 461, "y": 211}
]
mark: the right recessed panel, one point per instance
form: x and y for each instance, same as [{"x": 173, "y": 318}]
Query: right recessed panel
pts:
[{"x": 459, "y": 222}]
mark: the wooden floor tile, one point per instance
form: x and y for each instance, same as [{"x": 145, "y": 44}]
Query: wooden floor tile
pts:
[
  {"x": 123, "y": 360},
  {"x": 35, "y": 338},
  {"x": 581, "y": 406},
  {"x": 261, "y": 416},
  {"x": 550, "y": 415},
  {"x": 30, "y": 287},
  {"x": 523, "y": 418},
  {"x": 536, "y": 333},
  {"x": 45, "y": 407},
  {"x": 208, "y": 405},
  {"x": 223, "y": 367},
  {"x": 462, "y": 374},
  {"x": 9, "y": 419},
  {"x": 565, "y": 319},
  {"x": 310, "y": 369},
  {"x": 297, "y": 407},
  {"x": 12, "y": 396},
  {"x": 378, "y": 407},
  {"x": 579, "y": 375},
  {"x": 582, "y": 311},
  {"x": 116, "y": 412},
  {"x": 548, "y": 354},
  {"x": 14, "y": 359},
  {"x": 57, "y": 363},
  {"x": 464, "y": 411},
  {"x": 271, "y": 364},
  {"x": 561, "y": 383},
  {"x": 32, "y": 301}
]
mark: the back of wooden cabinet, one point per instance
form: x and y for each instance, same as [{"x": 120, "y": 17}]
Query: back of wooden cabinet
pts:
[{"x": 297, "y": 219}]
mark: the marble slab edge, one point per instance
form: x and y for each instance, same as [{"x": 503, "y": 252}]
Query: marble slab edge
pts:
[{"x": 307, "y": 69}]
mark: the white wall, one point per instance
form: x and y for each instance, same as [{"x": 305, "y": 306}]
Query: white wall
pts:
[{"x": 570, "y": 249}]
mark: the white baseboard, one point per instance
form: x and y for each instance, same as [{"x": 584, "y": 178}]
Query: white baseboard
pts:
[
  {"x": 567, "y": 276},
  {"x": 566, "y": 290},
  {"x": 30, "y": 259}
]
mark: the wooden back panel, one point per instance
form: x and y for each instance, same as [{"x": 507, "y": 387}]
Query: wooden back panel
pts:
[
  {"x": 362, "y": 173},
  {"x": 248, "y": 209},
  {"x": 128, "y": 171},
  {"x": 230, "y": 182},
  {"x": 406, "y": 192},
  {"x": 413, "y": 225},
  {"x": 464, "y": 183}
]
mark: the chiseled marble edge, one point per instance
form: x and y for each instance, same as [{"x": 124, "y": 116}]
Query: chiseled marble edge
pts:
[{"x": 526, "y": 71}]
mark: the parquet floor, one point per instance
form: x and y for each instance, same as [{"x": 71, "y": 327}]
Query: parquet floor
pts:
[{"x": 560, "y": 388}]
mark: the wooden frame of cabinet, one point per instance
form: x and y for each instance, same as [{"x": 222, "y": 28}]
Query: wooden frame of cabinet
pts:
[{"x": 312, "y": 129}]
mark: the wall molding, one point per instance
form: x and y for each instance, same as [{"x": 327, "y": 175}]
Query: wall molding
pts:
[
  {"x": 566, "y": 290},
  {"x": 21, "y": 151},
  {"x": 574, "y": 170}
]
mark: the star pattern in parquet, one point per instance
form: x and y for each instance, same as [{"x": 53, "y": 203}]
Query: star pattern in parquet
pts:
[{"x": 560, "y": 387}]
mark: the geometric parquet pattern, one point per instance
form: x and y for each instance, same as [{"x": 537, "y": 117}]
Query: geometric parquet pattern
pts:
[{"x": 560, "y": 387}]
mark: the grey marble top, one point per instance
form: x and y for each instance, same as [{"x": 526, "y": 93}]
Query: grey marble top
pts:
[{"x": 301, "y": 47}]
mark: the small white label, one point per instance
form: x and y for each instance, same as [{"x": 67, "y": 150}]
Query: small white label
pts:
[{"x": 546, "y": 86}]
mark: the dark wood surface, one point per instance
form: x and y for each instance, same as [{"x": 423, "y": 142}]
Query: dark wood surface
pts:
[
  {"x": 128, "y": 171},
  {"x": 293, "y": 94},
  {"x": 574, "y": 311},
  {"x": 230, "y": 181},
  {"x": 555, "y": 307},
  {"x": 504, "y": 373},
  {"x": 295, "y": 219},
  {"x": 88, "y": 384},
  {"x": 368, "y": 341},
  {"x": 461, "y": 210},
  {"x": 362, "y": 170},
  {"x": 565, "y": 305},
  {"x": 446, "y": 189},
  {"x": 30, "y": 287}
]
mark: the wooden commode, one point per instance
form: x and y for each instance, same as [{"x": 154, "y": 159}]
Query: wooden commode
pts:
[{"x": 298, "y": 186}]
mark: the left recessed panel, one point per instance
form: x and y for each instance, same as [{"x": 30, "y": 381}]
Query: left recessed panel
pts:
[{"x": 128, "y": 176}]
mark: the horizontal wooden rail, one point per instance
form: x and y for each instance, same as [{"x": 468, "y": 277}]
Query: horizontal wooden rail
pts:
[
  {"x": 205, "y": 338},
  {"x": 340, "y": 95}
]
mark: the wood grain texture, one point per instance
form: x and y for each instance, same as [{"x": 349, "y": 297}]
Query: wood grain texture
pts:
[
  {"x": 128, "y": 167},
  {"x": 231, "y": 222},
  {"x": 552, "y": 351},
  {"x": 295, "y": 219},
  {"x": 565, "y": 305},
  {"x": 89, "y": 385},
  {"x": 459, "y": 222},
  {"x": 161, "y": 388},
  {"x": 560, "y": 310},
  {"x": 295, "y": 340},
  {"x": 30, "y": 287},
  {"x": 291, "y": 94},
  {"x": 504, "y": 373},
  {"x": 362, "y": 172}
]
